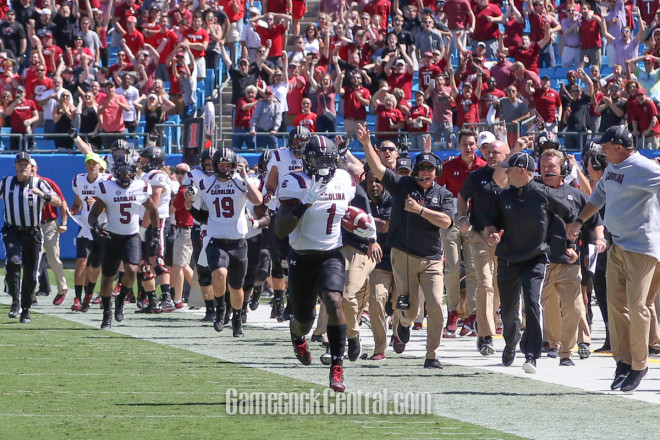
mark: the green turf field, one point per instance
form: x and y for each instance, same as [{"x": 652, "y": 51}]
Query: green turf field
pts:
[{"x": 62, "y": 380}]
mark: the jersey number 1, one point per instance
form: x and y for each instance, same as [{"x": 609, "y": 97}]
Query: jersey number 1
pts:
[{"x": 331, "y": 216}]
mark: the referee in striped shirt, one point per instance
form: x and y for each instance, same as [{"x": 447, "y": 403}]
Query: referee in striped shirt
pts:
[{"x": 24, "y": 197}]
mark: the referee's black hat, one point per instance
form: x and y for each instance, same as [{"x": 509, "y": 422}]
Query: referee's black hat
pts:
[{"x": 23, "y": 155}]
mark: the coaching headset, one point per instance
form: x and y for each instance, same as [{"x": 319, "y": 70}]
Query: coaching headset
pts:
[
  {"x": 427, "y": 157},
  {"x": 598, "y": 158},
  {"x": 565, "y": 166}
]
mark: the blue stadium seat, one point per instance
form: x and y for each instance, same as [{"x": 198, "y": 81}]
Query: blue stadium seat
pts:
[
  {"x": 4, "y": 140},
  {"x": 209, "y": 82}
]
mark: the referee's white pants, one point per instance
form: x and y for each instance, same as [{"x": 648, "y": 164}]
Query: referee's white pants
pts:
[{"x": 52, "y": 248}]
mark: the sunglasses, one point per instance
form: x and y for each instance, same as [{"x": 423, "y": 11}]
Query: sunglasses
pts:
[
  {"x": 390, "y": 149},
  {"x": 180, "y": 172},
  {"x": 41, "y": 70}
]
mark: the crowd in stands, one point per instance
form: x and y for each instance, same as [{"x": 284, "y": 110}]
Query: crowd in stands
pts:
[{"x": 407, "y": 68}]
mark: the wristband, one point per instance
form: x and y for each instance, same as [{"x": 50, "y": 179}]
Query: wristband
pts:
[
  {"x": 299, "y": 210},
  {"x": 421, "y": 211},
  {"x": 460, "y": 219},
  {"x": 579, "y": 220},
  {"x": 47, "y": 198}
]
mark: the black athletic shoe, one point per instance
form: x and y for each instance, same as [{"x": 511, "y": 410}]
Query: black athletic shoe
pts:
[
  {"x": 243, "y": 316},
  {"x": 403, "y": 333},
  {"x": 227, "y": 316},
  {"x": 219, "y": 322},
  {"x": 620, "y": 374},
  {"x": 508, "y": 356},
  {"x": 107, "y": 320},
  {"x": 433, "y": 364},
  {"x": 633, "y": 379},
  {"x": 354, "y": 348},
  {"x": 317, "y": 338},
  {"x": 286, "y": 314},
  {"x": 529, "y": 366},
  {"x": 606, "y": 348},
  {"x": 25, "y": 316},
  {"x": 237, "y": 325},
  {"x": 254, "y": 300},
  {"x": 152, "y": 307},
  {"x": 15, "y": 310},
  {"x": 210, "y": 315},
  {"x": 119, "y": 309},
  {"x": 485, "y": 345}
]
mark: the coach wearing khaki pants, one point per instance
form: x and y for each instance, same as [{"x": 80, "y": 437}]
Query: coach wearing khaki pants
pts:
[
  {"x": 420, "y": 209},
  {"x": 630, "y": 187}
]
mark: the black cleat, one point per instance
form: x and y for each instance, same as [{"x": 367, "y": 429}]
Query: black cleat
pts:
[
  {"x": 107, "y": 320},
  {"x": 25, "y": 316},
  {"x": 119, "y": 309},
  {"x": 152, "y": 307},
  {"x": 237, "y": 325},
  {"x": 354, "y": 348},
  {"x": 243, "y": 316},
  {"x": 227, "y": 316},
  {"x": 15, "y": 310},
  {"x": 485, "y": 345},
  {"x": 254, "y": 300},
  {"x": 219, "y": 322},
  {"x": 432, "y": 364},
  {"x": 210, "y": 315},
  {"x": 529, "y": 366}
]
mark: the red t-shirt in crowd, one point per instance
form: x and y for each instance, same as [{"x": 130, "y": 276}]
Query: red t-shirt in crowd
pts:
[
  {"x": 200, "y": 35},
  {"x": 177, "y": 17},
  {"x": 113, "y": 118},
  {"x": 36, "y": 87},
  {"x": 457, "y": 13},
  {"x": 383, "y": 121},
  {"x": 488, "y": 98},
  {"x": 123, "y": 11},
  {"x": 467, "y": 110},
  {"x": 647, "y": 9},
  {"x": 21, "y": 113},
  {"x": 401, "y": 81},
  {"x": 52, "y": 55},
  {"x": 354, "y": 108},
  {"x": 546, "y": 103},
  {"x": 134, "y": 41},
  {"x": 483, "y": 29},
  {"x": 454, "y": 172},
  {"x": 513, "y": 33},
  {"x": 590, "y": 32},
  {"x": 561, "y": 9},
  {"x": 379, "y": 7},
  {"x": 128, "y": 67},
  {"x": 171, "y": 40},
  {"x": 228, "y": 9},
  {"x": 643, "y": 114},
  {"x": 276, "y": 35},
  {"x": 417, "y": 111},
  {"x": 243, "y": 117},
  {"x": 280, "y": 6},
  {"x": 306, "y": 120},
  {"x": 296, "y": 94},
  {"x": 426, "y": 74},
  {"x": 529, "y": 57}
]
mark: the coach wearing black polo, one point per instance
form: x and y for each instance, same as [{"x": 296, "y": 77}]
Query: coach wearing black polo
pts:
[
  {"x": 24, "y": 197},
  {"x": 420, "y": 208}
]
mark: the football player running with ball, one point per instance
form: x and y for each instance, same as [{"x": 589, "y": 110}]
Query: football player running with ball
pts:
[{"x": 312, "y": 205}]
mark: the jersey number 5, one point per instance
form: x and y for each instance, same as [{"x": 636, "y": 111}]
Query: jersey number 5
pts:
[
  {"x": 224, "y": 207},
  {"x": 125, "y": 213}
]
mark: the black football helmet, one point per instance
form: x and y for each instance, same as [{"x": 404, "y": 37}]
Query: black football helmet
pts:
[
  {"x": 120, "y": 148},
  {"x": 262, "y": 163},
  {"x": 298, "y": 138},
  {"x": 206, "y": 155},
  {"x": 545, "y": 141},
  {"x": 320, "y": 158},
  {"x": 124, "y": 172},
  {"x": 155, "y": 157},
  {"x": 224, "y": 155}
]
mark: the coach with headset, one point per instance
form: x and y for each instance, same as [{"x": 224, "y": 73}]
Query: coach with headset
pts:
[{"x": 420, "y": 209}]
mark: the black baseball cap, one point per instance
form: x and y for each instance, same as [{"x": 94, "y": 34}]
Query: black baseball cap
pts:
[
  {"x": 617, "y": 134},
  {"x": 404, "y": 163},
  {"x": 23, "y": 155},
  {"x": 426, "y": 158},
  {"x": 520, "y": 160}
]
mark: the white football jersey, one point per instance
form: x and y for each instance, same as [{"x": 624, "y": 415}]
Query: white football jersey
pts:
[
  {"x": 319, "y": 228},
  {"x": 194, "y": 177},
  {"x": 86, "y": 190},
  {"x": 286, "y": 163},
  {"x": 122, "y": 205},
  {"x": 160, "y": 179},
  {"x": 226, "y": 203}
]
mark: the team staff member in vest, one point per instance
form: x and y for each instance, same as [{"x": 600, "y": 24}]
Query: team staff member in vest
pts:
[
  {"x": 420, "y": 209},
  {"x": 518, "y": 224},
  {"x": 24, "y": 197},
  {"x": 561, "y": 297},
  {"x": 630, "y": 188}
]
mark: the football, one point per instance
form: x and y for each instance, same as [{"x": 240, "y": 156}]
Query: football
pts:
[{"x": 355, "y": 218}]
